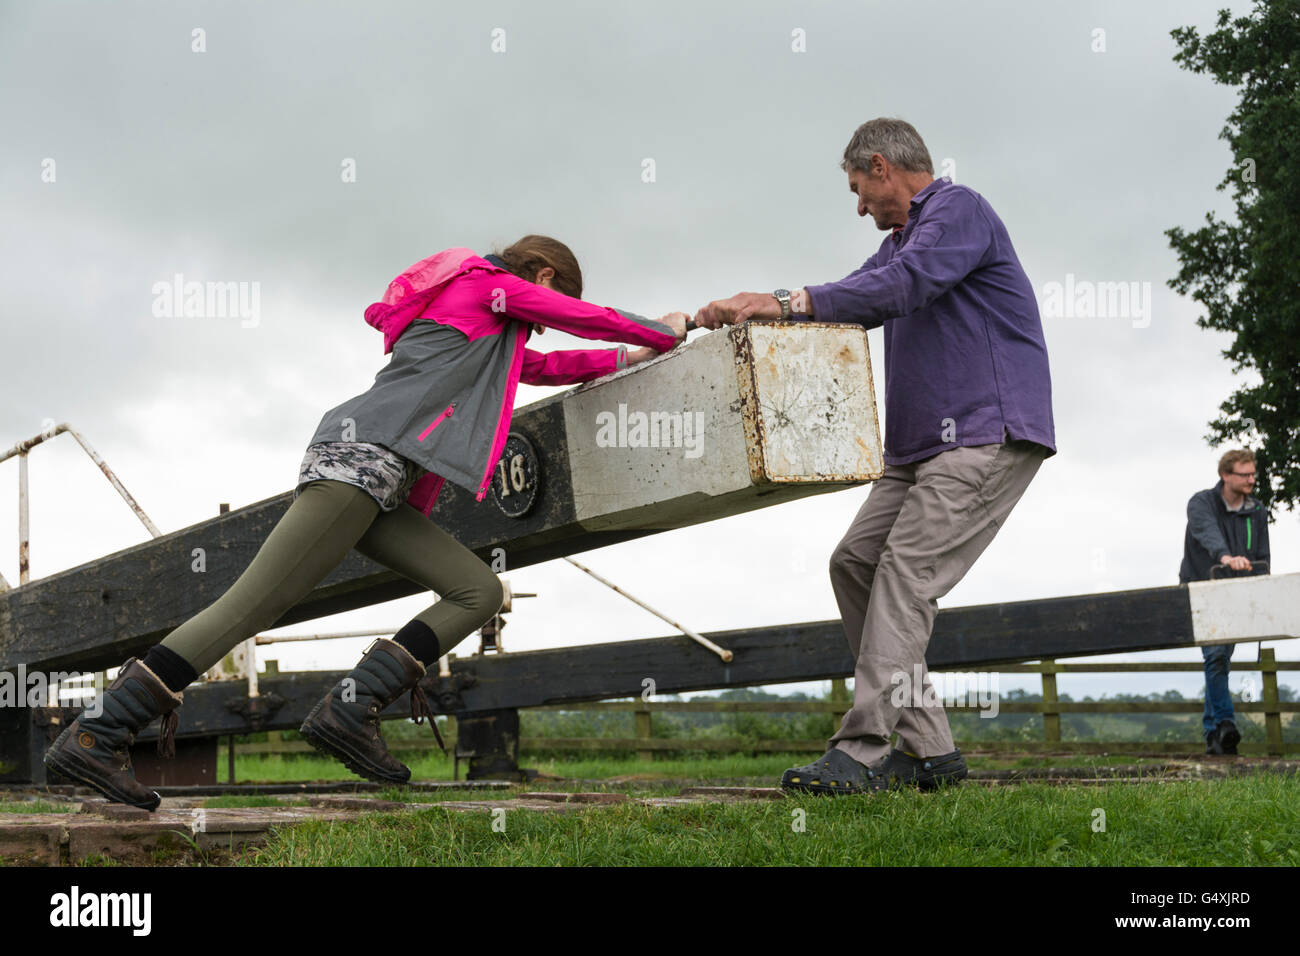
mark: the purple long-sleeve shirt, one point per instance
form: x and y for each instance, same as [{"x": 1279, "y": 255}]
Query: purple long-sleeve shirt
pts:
[{"x": 965, "y": 358}]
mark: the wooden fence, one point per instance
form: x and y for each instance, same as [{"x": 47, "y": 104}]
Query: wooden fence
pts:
[{"x": 1050, "y": 707}]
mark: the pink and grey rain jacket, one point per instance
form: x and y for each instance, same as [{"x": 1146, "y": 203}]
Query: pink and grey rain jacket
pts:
[{"x": 456, "y": 325}]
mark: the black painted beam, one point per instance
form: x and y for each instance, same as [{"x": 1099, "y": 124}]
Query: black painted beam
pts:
[{"x": 964, "y": 638}]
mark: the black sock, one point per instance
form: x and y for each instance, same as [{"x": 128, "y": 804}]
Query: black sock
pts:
[
  {"x": 420, "y": 641},
  {"x": 172, "y": 669}
]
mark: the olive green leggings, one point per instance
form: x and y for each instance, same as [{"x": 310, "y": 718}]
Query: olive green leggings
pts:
[{"x": 326, "y": 520}]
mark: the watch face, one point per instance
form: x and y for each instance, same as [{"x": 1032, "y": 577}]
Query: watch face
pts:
[{"x": 781, "y": 292}]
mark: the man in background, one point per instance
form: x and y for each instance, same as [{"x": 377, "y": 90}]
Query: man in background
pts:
[{"x": 1227, "y": 536}]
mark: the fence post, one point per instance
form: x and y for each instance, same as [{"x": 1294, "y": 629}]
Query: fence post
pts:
[
  {"x": 453, "y": 734},
  {"x": 1272, "y": 712},
  {"x": 641, "y": 718},
  {"x": 1051, "y": 719}
]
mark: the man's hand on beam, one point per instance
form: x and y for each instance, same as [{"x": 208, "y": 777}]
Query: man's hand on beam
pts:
[{"x": 737, "y": 309}]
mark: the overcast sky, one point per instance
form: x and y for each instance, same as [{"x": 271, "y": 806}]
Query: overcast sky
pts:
[{"x": 227, "y": 165}]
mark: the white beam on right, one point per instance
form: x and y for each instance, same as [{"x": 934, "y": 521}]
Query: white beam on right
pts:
[{"x": 1236, "y": 610}]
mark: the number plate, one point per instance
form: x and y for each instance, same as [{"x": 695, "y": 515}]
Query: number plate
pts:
[{"x": 517, "y": 478}]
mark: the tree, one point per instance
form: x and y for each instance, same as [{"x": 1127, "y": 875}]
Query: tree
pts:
[{"x": 1247, "y": 274}]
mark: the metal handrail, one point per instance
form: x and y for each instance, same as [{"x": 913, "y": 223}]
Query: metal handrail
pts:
[
  {"x": 283, "y": 638},
  {"x": 24, "y": 527},
  {"x": 20, "y": 451}
]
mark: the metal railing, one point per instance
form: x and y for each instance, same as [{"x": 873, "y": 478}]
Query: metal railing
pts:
[{"x": 21, "y": 451}]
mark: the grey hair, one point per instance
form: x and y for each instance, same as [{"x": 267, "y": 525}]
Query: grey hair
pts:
[{"x": 895, "y": 139}]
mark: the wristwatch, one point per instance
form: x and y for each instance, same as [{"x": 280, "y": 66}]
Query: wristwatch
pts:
[{"x": 783, "y": 296}]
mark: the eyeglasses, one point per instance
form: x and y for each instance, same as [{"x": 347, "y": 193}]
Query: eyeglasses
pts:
[{"x": 1248, "y": 475}]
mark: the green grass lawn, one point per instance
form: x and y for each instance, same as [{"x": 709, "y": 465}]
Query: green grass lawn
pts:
[
  {"x": 1248, "y": 821},
  {"x": 36, "y": 806},
  {"x": 760, "y": 769}
]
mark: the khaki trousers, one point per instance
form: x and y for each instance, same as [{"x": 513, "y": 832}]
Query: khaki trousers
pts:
[{"x": 921, "y": 528}]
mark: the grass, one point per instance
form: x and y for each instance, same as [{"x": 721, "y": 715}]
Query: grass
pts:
[
  {"x": 1241, "y": 821},
  {"x": 765, "y": 769},
  {"x": 406, "y": 795},
  {"x": 36, "y": 806},
  {"x": 1248, "y": 821}
]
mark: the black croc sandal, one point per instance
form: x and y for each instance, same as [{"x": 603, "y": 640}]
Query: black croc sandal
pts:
[
  {"x": 835, "y": 772},
  {"x": 927, "y": 773}
]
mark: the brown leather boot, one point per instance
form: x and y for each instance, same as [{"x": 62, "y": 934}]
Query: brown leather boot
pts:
[
  {"x": 345, "y": 724},
  {"x": 96, "y": 750}
]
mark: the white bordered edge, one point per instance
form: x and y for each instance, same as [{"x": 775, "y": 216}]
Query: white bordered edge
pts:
[{"x": 1263, "y": 608}]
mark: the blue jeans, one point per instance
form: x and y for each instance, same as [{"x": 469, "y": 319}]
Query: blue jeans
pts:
[{"x": 1218, "y": 701}]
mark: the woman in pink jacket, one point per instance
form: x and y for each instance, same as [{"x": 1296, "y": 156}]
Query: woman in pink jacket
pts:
[{"x": 457, "y": 325}]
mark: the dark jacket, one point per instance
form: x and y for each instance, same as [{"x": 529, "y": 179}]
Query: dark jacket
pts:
[{"x": 1213, "y": 531}]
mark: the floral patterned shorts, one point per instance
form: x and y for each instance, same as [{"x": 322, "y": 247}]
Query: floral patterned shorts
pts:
[{"x": 385, "y": 475}]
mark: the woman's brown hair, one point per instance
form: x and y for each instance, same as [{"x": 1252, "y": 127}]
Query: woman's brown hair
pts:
[{"x": 531, "y": 254}]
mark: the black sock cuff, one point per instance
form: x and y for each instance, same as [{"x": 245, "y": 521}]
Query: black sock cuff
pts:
[
  {"x": 418, "y": 638},
  {"x": 172, "y": 669}
]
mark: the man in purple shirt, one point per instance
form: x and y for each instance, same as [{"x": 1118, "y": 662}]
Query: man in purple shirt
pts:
[{"x": 968, "y": 422}]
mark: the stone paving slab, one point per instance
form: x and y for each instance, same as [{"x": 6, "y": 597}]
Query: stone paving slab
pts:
[
  {"x": 31, "y": 840},
  {"x": 736, "y": 793},
  {"x": 364, "y": 804},
  {"x": 1206, "y": 768},
  {"x": 562, "y": 796},
  {"x": 542, "y": 806},
  {"x": 118, "y": 833},
  {"x": 302, "y": 788}
]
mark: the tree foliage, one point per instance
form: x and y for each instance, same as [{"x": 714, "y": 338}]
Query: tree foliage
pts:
[{"x": 1247, "y": 274}]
